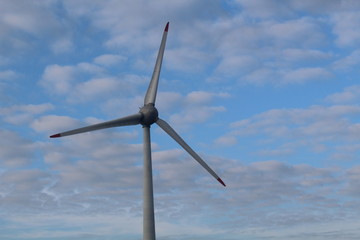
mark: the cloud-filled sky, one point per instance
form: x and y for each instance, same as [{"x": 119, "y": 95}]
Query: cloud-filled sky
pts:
[{"x": 266, "y": 91}]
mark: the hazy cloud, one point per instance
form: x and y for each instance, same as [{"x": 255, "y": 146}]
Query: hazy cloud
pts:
[
  {"x": 348, "y": 62},
  {"x": 290, "y": 163},
  {"x": 109, "y": 59},
  {"x": 306, "y": 74},
  {"x": 58, "y": 79},
  {"x": 350, "y": 94},
  {"x": 23, "y": 21},
  {"x": 23, "y": 114},
  {"x": 197, "y": 108},
  {"x": 15, "y": 151},
  {"x": 315, "y": 128},
  {"x": 346, "y": 27},
  {"x": 7, "y": 74},
  {"x": 54, "y": 123}
]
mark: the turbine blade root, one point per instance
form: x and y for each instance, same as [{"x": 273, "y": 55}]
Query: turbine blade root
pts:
[{"x": 124, "y": 121}]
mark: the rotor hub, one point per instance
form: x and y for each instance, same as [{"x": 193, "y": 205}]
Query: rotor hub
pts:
[{"x": 149, "y": 114}]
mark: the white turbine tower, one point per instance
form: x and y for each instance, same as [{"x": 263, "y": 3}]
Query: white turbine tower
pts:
[{"x": 147, "y": 116}]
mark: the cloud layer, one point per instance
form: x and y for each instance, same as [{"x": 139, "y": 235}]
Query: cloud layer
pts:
[{"x": 267, "y": 93}]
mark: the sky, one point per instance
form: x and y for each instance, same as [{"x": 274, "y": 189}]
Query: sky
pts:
[{"x": 266, "y": 91}]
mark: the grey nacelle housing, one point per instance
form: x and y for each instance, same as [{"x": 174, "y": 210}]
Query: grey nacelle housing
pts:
[{"x": 149, "y": 114}]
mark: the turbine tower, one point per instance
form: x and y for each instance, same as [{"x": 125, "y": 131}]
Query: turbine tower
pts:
[{"x": 147, "y": 116}]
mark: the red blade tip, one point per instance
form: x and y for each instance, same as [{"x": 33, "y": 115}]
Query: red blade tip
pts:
[
  {"x": 167, "y": 27},
  {"x": 55, "y": 135},
  {"x": 221, "y": 181}
]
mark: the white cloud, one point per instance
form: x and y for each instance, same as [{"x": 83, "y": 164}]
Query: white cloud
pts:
[
  {"x": 7, "y": 74},
  {"x": 347, "y": 28},
  {"x": 308, "y": 55},
  {"x": 271, "y": 9},
  {"x": 226, "y": 141},
  {"x": 195, "y": 115},
  {"x": 306, "y": 74},
  {"x": 75, "y": 226},
  {"x": 58, "y": 79},
  {"x": 23, "y": 114},
  {"x": 64, "y": 45},
  {"x": 298, "y": 117},
  {"x": 138, "y": 34},
  {"x": 166, "y": 101},
  {"x": 237, "y": 65},
  {"x": 349, "y": 95},
  {"x": 349, "y": 62},
  {"x": 319, "y": 6},
  {"x": 87, "y": 82},
  {"x": 101, "y": 225},
  {"x": 83, "y": 169},
  {"x": 95, "y": 88},
  {"x": 15, "y": 151},
  {"x": 202, "y": 97},
  {"x": 23, "y": 21},
  {"x": 85, "y": 180},
  {"x": 282, "y": 132},
  {"x": 299, "y": 32},
  {"x": 196, "y": 107},
  {"x": 253, "y": 51},
  {"x": 123, "y": 106},
  {"x": 276, "y": 152},
  {"x": 275, "y": 182},
  {"x": 89, "y": 68},
  {"x": 266, "y": 9},
  {"x": 175, "y": 169},
  {"x": 188, "y": 59},
  {"x": 109, "y": 59},
  {"x": 54, "y": 123},
  {"x": 264, "y": 76},
  {"x": 354, "y": 180}
]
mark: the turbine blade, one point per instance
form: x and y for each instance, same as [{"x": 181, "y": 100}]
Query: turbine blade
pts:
[
  {"x": 150, "y": 96},
  {"x": 169, "y": 130},
  {"x": 124, "y": 121}
]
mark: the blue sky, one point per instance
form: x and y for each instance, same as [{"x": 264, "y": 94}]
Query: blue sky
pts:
[{"x": 267, "y": 92}]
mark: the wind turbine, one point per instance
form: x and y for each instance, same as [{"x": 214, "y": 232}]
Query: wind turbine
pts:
[{"x": 147, "y": 116}]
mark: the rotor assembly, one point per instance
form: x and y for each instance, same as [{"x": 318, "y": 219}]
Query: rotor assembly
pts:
[{"x": 149, "y": 114}]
